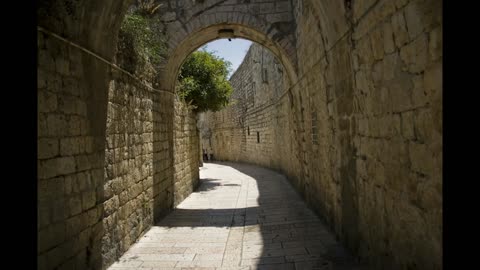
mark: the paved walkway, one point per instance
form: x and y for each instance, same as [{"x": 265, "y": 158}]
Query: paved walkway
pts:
[{"x": 242, "y": 217}]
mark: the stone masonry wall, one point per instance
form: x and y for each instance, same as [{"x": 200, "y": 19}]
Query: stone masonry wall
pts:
[
  {"x": 185, "y": 148},
  {"x": 151, "y": 158},
  {"x": 71, "y": 148},
  {"x": 360, "y": 133},
  {"x": 397, "y": 62},
  {"x": 105, "y": 163},
  {"x": 258, "y": 83},
  {"x": 376, "y": 97},
  {"x": 138, "y": 186}
]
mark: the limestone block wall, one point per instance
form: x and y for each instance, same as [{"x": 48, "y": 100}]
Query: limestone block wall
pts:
[
  {"x": 245, "y": 131},
  {"x": 71, "y": 153},
  {"x": 151, "y": 161},
  {"x": 360, "y": 133},
  {"x": 105, "y": 159},
  {"x": 138, "y": 187},
  {"x": 186, "y": 152},
  {"x": 151, "y": 156},
  {"x": 397, "y": 62},
  {"x": 376, "y": 97}
]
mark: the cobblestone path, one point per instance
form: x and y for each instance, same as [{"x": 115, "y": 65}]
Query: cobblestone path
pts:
[{"x": 241, "y": 217}]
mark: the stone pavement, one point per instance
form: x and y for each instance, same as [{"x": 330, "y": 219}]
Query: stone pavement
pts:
[{"x": 241, "y": 217}]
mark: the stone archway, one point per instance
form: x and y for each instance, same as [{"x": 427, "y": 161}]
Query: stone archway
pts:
[
  {"x": 369, "y": 72},
  {"x": 212, "y": 32},
  {"x": 77, "y": 44},
  {"x": 270, "y": 23}
]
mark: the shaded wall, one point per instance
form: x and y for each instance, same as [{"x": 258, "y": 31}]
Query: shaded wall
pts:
[
  {"x": 186, "y": 152},
  {"x": 71, "y": 151},
  {"x": 138, "y": 183},
  {"x": 359, "y": 134}
]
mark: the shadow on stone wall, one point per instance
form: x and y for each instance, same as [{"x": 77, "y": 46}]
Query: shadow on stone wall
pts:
[{"x": 163, "y": 109}]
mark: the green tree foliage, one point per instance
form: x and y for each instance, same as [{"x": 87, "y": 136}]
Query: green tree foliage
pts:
[
  {"x": 141, "y": 35},
  {"x": 203, "y": 82}
]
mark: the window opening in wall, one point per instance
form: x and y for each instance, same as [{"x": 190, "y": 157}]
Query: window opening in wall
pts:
[
  {"x": 258, "y": 137},
  {"x": 265, "y": 75},
  {"x": 248, "y": 130},
  {"x": 314, "y": 128},
  {"x": 254, "y": 92},
  {"x": 264, "y": 71}
]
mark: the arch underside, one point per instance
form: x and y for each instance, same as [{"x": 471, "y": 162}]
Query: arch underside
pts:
[{"x": 210, "y": 33}]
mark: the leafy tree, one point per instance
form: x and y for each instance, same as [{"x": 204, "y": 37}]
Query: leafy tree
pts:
[
  {"x": 140, "y": 34},
  {"x": 203, "y": 82}
]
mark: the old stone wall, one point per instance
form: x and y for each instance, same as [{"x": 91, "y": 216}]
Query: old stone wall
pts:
[
  {"x": 71, "y": 150},
  {"x": 378, "y": 114},
  {"x": 186, "y": 152},
  {"x": 359, "y": 134},
  {"x": 398, "y": 131},
  {"x": 138, "y": 187},
  {"x": 358, "y": 131},
  {"x": 151, "y": 156},
  {"x": 105, "y": 163},
  {"x": 245, "y": 131}
]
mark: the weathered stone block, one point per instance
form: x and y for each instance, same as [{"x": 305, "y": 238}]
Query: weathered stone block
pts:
[
  {"x": 377, "y": 40},
  {"x": 414, "y": 55},
  {"x": 399, "y": 92},
  {"x": 390, "y": 65},
  {"x": 399, "y": 29},
  {"x": 433, "y": 80},
  {"x": 420, "y": 158},
  {"x": 69, "y": 146},
  {"x": 55, "y": 167},
  {"x": 388, "y": 39},
  {"x": 56, "y": 256},
  {"x": 76, "y": 224},
  {"x": 88, "y": 199},
  {"x": 57, "y": 125},
  {"x": 111, "y": 205},
  {"x": 75, "y": 124},
  {"x": 74, "y": 205},
  {"x": 408, "y": 125},
  {"x": 419, "y": 95},
  {"x": 413, "y": 18},
  {"x": 42, "y": 129},
  {"x": 47, "y": 102},
  {"x": 425, "y": 129},
  {"x": 83, "y": 162},
  {"x": 51, "y": 236},
  {"x": 435, "y": 44},
  {"x": 47, "y": 148},
  {"x": 67, "y": 104},
  {"x": 429, "y": 197}
]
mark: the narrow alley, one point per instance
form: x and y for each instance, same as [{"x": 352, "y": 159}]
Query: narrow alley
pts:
[{"x": 241, "y": 217}]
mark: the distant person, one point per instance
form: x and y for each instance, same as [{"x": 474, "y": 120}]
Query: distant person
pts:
[{"x": 205, "y": 155}]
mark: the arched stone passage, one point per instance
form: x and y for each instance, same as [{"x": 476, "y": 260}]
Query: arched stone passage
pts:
[
  {"x": 269, "y": 23},
  {"x": 369, "y": 72},
  {"x": 205, "y": 35},
  {"x": 77, "y": 43}
]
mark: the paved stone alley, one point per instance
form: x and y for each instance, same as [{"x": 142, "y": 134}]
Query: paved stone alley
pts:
[{"x": 241, "y": 217}]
